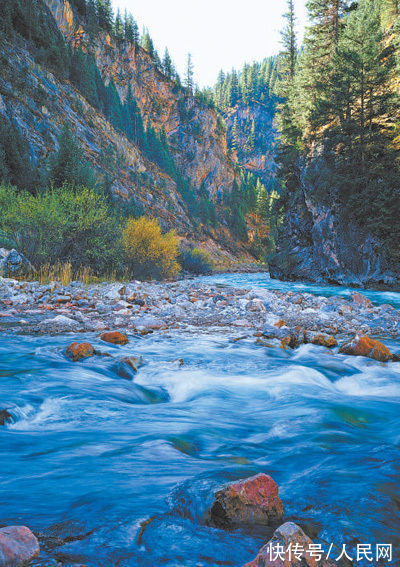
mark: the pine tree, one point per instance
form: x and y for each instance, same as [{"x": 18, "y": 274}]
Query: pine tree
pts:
[
  {"x": 167, "y": 65},
  {"x": 91, "y": 18},
  {"x": 105, "y": 15},
  {"x": 189, "y": 83},
  {"x": 252, "y": 137},
  {"x": 147, "y": 44},
  {"x": 131, "y": 29},
  {"x": 67, "y": 164},
  {"x": 289, "y": 41},
  {"x": 235, "y": 135},
  {"x": 119, "y": 30}
]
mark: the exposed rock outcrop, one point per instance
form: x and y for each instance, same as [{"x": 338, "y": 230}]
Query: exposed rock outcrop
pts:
[
  {"x": 194, "y": 133},
  {"x": 319, "y": 242},
  {"x": 254, "y": 500}
]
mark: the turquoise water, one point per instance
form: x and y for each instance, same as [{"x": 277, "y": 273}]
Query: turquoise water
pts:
[
  {"x": 263, "y": 280},
  {"x": 116, "y": 473}
]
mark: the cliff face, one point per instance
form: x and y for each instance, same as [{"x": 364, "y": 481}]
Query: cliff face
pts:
[
  {"x": 196, "y": 138},
  {"x": 39, "y": 104},
  {"x": 319, "y": 243},
  {"x": 257, "y": 156}
]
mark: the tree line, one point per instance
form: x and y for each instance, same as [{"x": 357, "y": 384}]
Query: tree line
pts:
[{"x": 339, "y": 111}]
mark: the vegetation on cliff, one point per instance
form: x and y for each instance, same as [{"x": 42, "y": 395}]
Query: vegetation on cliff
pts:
[
  {"x": 79, "y": 43},
  {"x": 339, "y": 115}
]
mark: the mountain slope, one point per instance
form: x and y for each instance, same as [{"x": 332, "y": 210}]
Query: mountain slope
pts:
[{"x": 192, "y": 174}]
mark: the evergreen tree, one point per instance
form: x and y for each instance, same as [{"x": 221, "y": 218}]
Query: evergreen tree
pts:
[
  {"x": 189, "y": 83},
  {"x": 167, "y": 65},
  {"x": 67, "y": 164},
  {"x": 16, "y": 166},
  {"x": 289, "y": 42},
  {"x": 147, "y": 44},
  {"x": 252, "y": 137},
  {"x": 119, "y": 29},
  {"x": 105, "y": 15},
  {"x": 131, "y": 29}
]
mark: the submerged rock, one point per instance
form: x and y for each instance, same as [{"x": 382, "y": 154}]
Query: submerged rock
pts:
[
  {"x": 114, "y": 337},
  {"x": 128, "y": 366},
  {"x": 18, "y": 545},
  {"x": 362, "y": 345},
  {"x": 254, "y": 500},
  {"x": 76, "y": 351},
  {"x": 277, "y": 553},
  {"x": 5, "y": 417}
]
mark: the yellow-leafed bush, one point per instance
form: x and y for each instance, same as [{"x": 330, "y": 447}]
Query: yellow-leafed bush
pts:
[{"x": 149, "y": 253}]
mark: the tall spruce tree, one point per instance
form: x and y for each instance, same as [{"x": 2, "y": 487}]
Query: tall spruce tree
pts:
[
  {"x": 289, "y": 41},
  {"x": 189, "y": 74}
]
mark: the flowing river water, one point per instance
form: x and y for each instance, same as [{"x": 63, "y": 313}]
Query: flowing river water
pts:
[{"x": 109, "y": 472}]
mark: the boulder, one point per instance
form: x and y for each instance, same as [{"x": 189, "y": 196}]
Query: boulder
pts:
[
  {"x": 362, "y": 345},
  {"x": 277, "y": 553},
  {"x": 14, "y": 264},
  {"x": 361, "y": 300},
  {"x": 250, "y": 501},
  {"x": 5, "y": 417},
  {"x": 128, "y": 366},
  {"x": 18, "y": 545},
  {"x": 76, "y": 351},
  {"x": 114, "y": 337},
  {"x": 321, "y": 339}
]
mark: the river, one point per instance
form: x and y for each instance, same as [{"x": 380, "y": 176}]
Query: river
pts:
[{"x": 110, "y": 472}]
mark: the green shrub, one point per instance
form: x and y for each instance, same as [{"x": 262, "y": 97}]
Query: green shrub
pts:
[
  {"x": 195, "y": 261},
  {"x": 73, "y": 225}
]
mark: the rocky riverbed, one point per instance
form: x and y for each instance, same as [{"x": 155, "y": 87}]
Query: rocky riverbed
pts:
[
  {"x": 114, "y": 385},
  {"x": 28, "y": 307}
]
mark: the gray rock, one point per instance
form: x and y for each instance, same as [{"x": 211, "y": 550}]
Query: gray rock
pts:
[
  {"x": 18, "y": 546},
  {"x": 13, "y": 263}
]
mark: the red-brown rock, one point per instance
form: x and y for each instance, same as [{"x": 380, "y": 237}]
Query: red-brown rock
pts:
[
  {"x": 361, "y": 300},
  {"x": 76, "y": 351},
  {"x": 18, "y": 545},
  {"x": 289, "y": 534},
  {"x": 5, "y": 417},
  {"x": 254, "y": 500},
  {"x": 114, "y": 337},
  {"x": 321, "y": 339},
  {"x": 362, "y": 345}
]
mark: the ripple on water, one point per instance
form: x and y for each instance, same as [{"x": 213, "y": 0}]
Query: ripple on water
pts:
[{"x": 114, "y": 472}]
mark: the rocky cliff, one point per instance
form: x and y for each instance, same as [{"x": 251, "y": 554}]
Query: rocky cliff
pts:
[
  {"x": 318, "y": 242},
  {"x": 39, "y": 102},
  {"x": 255, "y": 156},
  {"x": 195, "y": 135}
]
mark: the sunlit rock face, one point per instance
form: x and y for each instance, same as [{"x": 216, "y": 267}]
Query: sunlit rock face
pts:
[{"x": 196, "y": 137}]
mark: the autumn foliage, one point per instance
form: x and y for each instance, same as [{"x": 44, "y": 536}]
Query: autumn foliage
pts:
[{"x": 149, "y": 254}]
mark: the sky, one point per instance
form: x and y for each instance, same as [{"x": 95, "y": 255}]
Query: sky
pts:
[{"x": 219, "y": 34}]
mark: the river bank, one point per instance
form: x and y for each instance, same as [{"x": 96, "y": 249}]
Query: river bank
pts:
[{"x": 187, "y": 305}]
